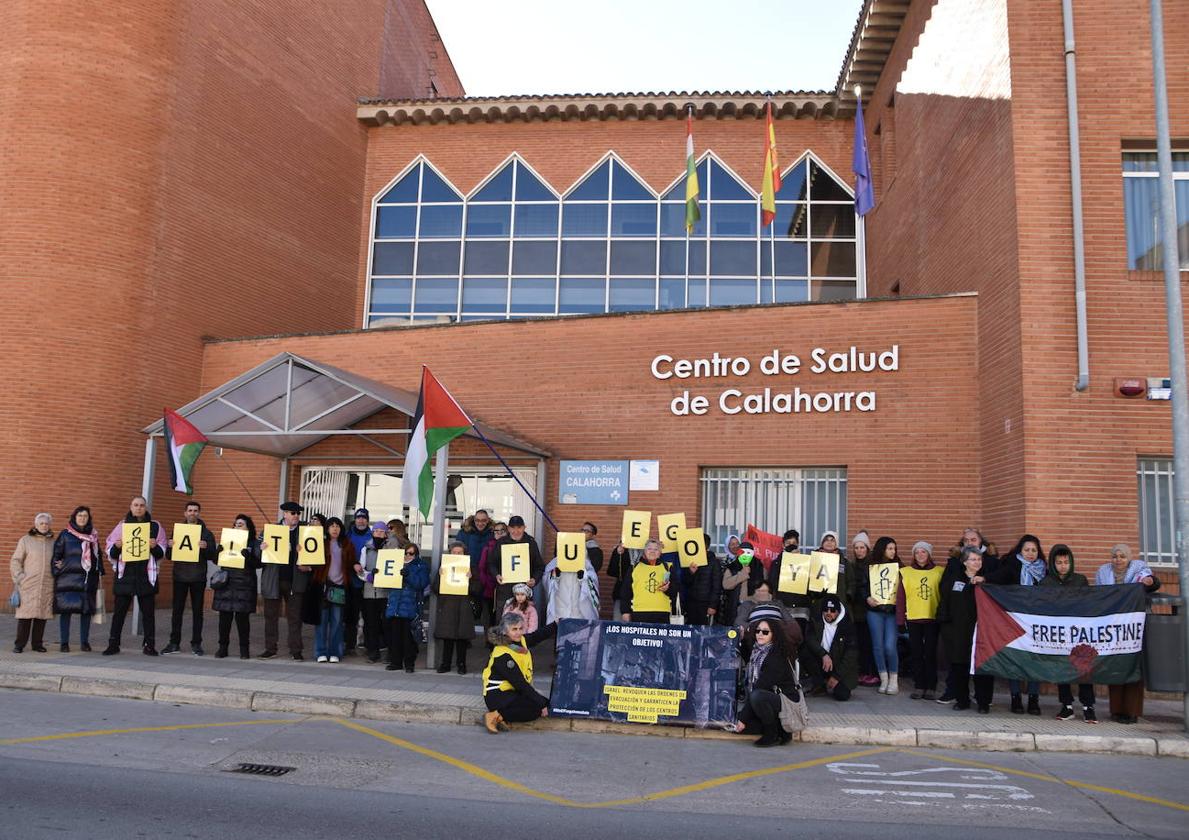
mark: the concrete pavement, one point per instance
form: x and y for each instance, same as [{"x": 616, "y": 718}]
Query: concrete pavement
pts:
[{"x": 358, "y": 689}]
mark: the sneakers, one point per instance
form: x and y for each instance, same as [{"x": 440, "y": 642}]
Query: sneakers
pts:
[
  {"x": 267, "y": 654},
  {"x": 1033, "y": 704},
  {"x": 893, "y": 684},
  {"x": 170, "y": 648},
  {"x": 321, "y": 659},
  {"x": 334, "y": 659},
  {"x": 1088, "y": 715},
  {"x": 1017, "y": 705},
  {"x": 111, "y": 650},
  {"x": 946, "y": 698},
  {"x": 1066, "y": 713},
  {"x": 196, "y": 650}
]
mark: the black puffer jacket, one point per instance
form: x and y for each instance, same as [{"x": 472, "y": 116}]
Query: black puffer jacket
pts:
[
  {"x": 135, "y": 580},
  {"x": 74, "y": 589},
  {"x": 239, "y": 595}
]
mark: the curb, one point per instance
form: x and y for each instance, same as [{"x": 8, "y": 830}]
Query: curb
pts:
[{"x": 404, "y": 712}]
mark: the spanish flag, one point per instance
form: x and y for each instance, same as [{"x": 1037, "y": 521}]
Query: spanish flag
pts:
[{"x": 771, "y": 185}]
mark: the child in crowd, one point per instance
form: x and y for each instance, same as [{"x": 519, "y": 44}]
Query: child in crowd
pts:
[{"x": 522, "y": 602}]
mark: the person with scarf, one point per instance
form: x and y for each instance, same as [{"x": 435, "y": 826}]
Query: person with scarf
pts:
[
  {"x": 374, "y": 599},
  {"x": 1061, "y": 573},
  {"x": 768, "y": 650},
  {"x": 135, "y": 580},
  {"x": 860, "y": 547},
  {"x": 77, "y": 565},
  {"x": 235, "y": 599},
  {"x": 508, "y": 689},
  {"x": 1127, "y": 701},
  {"x": 334, "y": 579},
  {"x": 958, "y": 614},
  {"x": 955, "y": 571},
  {"x": 1024, "y": 565},
  {"x": 831, "y": 654},
  {"x": 571, "y": 594},
  {"x": 33, "y": 584}
]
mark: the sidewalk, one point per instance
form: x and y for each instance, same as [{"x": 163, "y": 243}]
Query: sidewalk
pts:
[{"x": 356, "y": 688}]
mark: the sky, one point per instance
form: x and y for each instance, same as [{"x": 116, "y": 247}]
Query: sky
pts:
[{"x": 508, "y": 47}]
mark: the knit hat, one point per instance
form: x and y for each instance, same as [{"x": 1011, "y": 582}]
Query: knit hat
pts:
[
  {"x": 922, "y": 544},
  {"x": 861, "y": 537},
  {"x": 765, "y": 612},
  {"x": 522, "y": 589},
  {"x": 825, "y": 534},
  {"x": 380, "y": 526}
]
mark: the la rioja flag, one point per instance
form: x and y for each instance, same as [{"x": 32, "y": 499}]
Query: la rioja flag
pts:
[
  {"x": 184, "y": 443},
  {"x": 439, "y": 420}
]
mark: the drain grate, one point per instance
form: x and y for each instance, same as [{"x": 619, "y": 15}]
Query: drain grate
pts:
[{"x": 262, "y": 769}]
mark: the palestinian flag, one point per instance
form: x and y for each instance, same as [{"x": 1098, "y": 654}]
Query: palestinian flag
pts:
[
  {"x": 771, "y": 183},
  {"x": 692, "y": 213},
  {"x": 1091, "y": 634},
  {"x": 184, "y": 443},
  {"x": 439, "y": 420}
]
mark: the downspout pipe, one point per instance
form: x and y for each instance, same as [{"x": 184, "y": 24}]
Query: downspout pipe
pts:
[{"x": 1075, "y": 183}]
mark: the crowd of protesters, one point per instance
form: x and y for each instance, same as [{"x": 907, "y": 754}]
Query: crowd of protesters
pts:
[{"x": 827, "y": 643}]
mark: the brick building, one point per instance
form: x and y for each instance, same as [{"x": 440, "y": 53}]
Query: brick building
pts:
[{"x": 531, "y": 250}]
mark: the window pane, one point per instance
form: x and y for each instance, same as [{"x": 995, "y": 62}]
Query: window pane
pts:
[
  {"x": 633, "y": 258},
  {"x": 832, "y": 259},
  {"x": 625, "y": 186},
  {"x": 792, "y": 291},
  {"x": 584, "y": 257},
  {"x": 632, "y": 295},
  {"x": 673, "y": 221},
  {"x": 697, "y": 293},
  {"x": 529, "y": 187},
  {"x": 596, "y": 187},
  {"x": 727, "y": 258},
  {"x": 534, "y": 258},
  {"x": 392, "y": 258},
  {"x": 584, "y": 220},
  {"x": 533, "y": 295},
  {"x": 792, "y": 258},
  {"x": 499, "y": 188},
  {"x": 1141, "y": 202},
  {"x": 823, "y": 187},
  {"x": 484, "y": 294},
  {"x": 443, "y": 221},
  {"x": 486, "y": 258},
  {"x": 792, "y": 184},
  {"x": 582, "y": 295},
  {"x": 833, "y": 290},
  {"x": 391, "y": 295},
  {"x": 724, "y": 187},
  {"x": 489, "y": 220},
  {"x": 439, "y": 294},
  {"x": 536, "y": 220},
  {"x": 673, "y": 257},
  {"x": 672, "y": 294},
  {"x": 437, "y": 258},
  {"x": 832, "y": 221},
  {"x": 396, "y": 222},
  {"x": 792, "y": 221},
  {"x": 733, "y": 219},
  {"x": 732, "y": 292},
  {"x": 404, "y": 190},
  {"x": 387, "y": 321},
  {"x": 433, "y": 188},
  {"x": 1146, "y": 162},
  {"x": 634, "y": 220}
]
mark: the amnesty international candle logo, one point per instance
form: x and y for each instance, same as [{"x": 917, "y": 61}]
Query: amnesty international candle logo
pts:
[
  {"x": 135, "y": 536},
  {"x": 922, "y": 594},
  {"x": 882, "y": 579}
]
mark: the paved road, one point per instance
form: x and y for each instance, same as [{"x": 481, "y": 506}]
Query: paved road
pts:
[{"x": 450, "y": 781}]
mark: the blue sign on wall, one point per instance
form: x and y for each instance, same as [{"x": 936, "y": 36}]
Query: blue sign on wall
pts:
[{"x": 594, "y": 483}]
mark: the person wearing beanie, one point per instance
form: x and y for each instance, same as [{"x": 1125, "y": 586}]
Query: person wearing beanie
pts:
[
  {"x": 373, "y": 600},
  {"x": 860, "y": 552},
  {"x": 830, "y": 654},
  {"x": 923, "y": 632},
  {"x": 761, "y": 597},
  {"x": 360, "y": 534}
]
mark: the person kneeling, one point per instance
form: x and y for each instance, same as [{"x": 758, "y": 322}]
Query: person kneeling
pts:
[
  {"x": 769, "y": 649},
  {"x": 508, "y": 678},
  {"x": 831, "y": 654}
]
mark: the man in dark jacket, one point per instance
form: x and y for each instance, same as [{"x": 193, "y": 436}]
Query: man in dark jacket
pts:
[
  {"x": 536, "y": 565},
  {"x": 1061, "y": 573},
  {"x": 701, "y": 588},
  {"x": 831, "y": 653},
  {"x": 360, "y": 534},
  {"x": 798, "y": 605},
  {"x": 285, "y": 584},
  {"x": 189, "y": 581},
  {"x": 136, "y": 580}
]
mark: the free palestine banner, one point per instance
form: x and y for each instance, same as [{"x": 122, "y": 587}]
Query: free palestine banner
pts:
[{"x": 1091, "y": 634}]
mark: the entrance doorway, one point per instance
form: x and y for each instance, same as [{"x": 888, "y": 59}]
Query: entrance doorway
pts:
[{"x": 339, "y": 491}]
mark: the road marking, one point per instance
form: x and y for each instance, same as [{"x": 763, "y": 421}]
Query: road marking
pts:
[
  {"x": 495, "y": 779},
  {"x": 97, "y": 733},
  {"x": 980, "y": 788},
  {"x": 1040, "y": 777}
]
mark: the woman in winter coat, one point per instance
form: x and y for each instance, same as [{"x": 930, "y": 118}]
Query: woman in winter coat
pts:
[
  {"x": 957, "y": 614},
  {"x": 830, "y": 652},
  {"x": 236, "y": 599},
  {"x": 1127, "y": 701},
  {"x": 135, "y": 580},
  {"x": 491, "y": 610},
  {"x": 860, "y": 562},
  {"x": 76, "y": 565},
  {"x": 454, "y": 623},
  {"x": 769, "y": 649},
  {"x": 1025, "y": 565},
  {"x": 404, "y": 607},
  {"x": 508, "y": 689},
  {"x": 33, "y": 583},
  {"x": 881, "y": 618},
  {"x": 702, "y": 588},
  {"x": 742, "y": 576},
  {"x": 1061, "y": 573},
  {"x": 923, "y": 632},
  {"x": 334, "y": 579},
  {"x": 374, "y": 599}
]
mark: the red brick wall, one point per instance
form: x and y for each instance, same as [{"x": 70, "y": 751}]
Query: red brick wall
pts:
[
  {"x": 581, "y": 388},
  {"x": 170, "y": 171}
]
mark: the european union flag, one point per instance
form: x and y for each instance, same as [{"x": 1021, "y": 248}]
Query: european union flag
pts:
[{"x": 861, "y": 166}]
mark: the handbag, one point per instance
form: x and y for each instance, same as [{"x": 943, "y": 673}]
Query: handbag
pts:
[
  {"x": 220, "y": 579},
  {"x": 794, "y": 714},
  {"x": 14, "y": 600},
  {"x": 99, "y": 616},
  {"x": 336, "y": 594}
]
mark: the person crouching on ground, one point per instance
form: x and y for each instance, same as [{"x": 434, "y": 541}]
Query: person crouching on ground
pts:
[
  {"x": 769, "y": 649},
  {"x": 508, "y": 678},
  {"x": 832, "y": 654}
]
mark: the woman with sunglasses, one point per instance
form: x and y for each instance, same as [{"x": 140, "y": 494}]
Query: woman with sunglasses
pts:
[
  {"x": 404, "y": 607},
  {"x": 769, "y": 648}
]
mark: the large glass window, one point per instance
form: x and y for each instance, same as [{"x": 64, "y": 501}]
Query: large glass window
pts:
[
  {"x": 1141, "y": 208},
  {"x": 516, "y": 249}
]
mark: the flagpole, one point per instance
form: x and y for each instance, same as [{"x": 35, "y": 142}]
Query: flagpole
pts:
[
  {"x": 516, "y": 478},
  {"x": 438, "y": 532},
  {"x": 772, "y": 257},
  {"x": 219, "y": 454}
]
